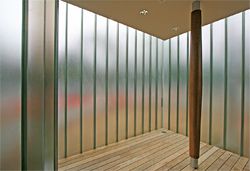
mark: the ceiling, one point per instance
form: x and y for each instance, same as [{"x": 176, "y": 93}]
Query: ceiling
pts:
[{"x": 164, "y": 16}]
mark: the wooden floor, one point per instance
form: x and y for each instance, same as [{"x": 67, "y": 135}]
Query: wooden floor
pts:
[{"x": 158, "y": 150}]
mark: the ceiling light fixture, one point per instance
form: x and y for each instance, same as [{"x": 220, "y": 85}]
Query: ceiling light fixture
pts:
[
  {"x": 175, "y": 29},
  {"x": 144, "y": 12}
]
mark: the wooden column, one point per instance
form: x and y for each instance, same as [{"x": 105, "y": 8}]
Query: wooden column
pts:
[{"x": 195, "y": 85}]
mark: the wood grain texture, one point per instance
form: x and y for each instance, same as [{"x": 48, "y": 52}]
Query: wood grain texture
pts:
[
  {"x": 195, "y": 85},
  {"x": 154, "y": 151}
]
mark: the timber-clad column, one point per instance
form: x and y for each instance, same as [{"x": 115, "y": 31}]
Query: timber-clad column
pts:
[{"x": 195, "y": 84}]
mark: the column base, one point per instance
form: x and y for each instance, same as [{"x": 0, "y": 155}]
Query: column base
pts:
[{"x": 194, "y": 163}]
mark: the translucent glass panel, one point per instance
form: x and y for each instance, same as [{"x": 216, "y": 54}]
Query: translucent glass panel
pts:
[
  {"x": 73, "y": 81},
  {"x": 173, "y": 98},
  {"x": 131, "y": 76},
  {"x": 88, "y": 79},
  {"x": 112, "y": 81},
  {"x": 27, "y": 28},
  {"x": 234, "y": 82},
  {"x": 246, "y": 144},
  {"x": 218, "y": 83},
  {"x": 61, "y": 79},
  {"x": 166, "y": 68},
  {"x": 122, "y": 81},
  {"x": 10, "y": 82},
  {"x": 153, "y": 83},
  {"x": 146, "y": 82},
  {"x": 35, "y": 85},
  {"x": 182, "y": 83},
  {"x": 139, "y": 83},
  {"x": 158, "y": 84},
  {"x": 100, "y": 79},
  {"x": 206, "y": 83}
]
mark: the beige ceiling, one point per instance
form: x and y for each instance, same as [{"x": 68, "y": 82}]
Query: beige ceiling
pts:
[{"x": 163, "y": 15}]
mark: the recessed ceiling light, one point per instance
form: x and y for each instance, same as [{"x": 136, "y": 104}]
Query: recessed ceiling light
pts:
[
  {"x": 144, "y": 12},
  {"x": 162, "y": 1},
  {"x": 175, "y": 28}
]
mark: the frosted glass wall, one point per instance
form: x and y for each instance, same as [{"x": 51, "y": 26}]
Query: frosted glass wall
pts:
[
  {"x": 27, "y": 56},
  {"x": 109, "y": 79},
  {"x": 10, "y": 84},
  {"x": 225, "y": 97}
]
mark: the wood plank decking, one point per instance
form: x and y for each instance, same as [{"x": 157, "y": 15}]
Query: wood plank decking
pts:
[{"x": 157, "y": 150}]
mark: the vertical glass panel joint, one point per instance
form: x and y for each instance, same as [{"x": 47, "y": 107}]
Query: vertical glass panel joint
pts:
[
  {"x": 66, "y": 85},
  {"x": 211, "y": 84},
  {"x": 95, "y": 39},
  {"x": 169, "y": 85},
  {"x": 24, "y": 71},
  {"x": 127, "y": 82},
  {"x": 243, "y": 86},
  {"x": 187, "y": 84},
  {"x": 178, "y": 81},
  {"x": 150, "y": 81},
  {"x": 106, "y": 83},
  {"x": 226, "y": 87},
  {"x": 117, "y": 82},
  {"x": 135, "y": 84},
  {"x": 143, "y": 79}
]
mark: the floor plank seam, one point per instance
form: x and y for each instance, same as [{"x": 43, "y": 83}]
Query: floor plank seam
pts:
[
  {"x": 153, "y": 151},
  {"x": 169, "y": 149},
  {"x": 147, "y": 155},
  {"x": 142, "y": 149}
]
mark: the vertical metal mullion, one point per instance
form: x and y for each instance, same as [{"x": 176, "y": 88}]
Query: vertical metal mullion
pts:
[
  {"x": 169, "y": 85},
  {"x": 211, "y": 84},
  {"x": 24, "y": 70},
  {"x": 135, "y": 83},
  {"x": 143, "y": 79},
  {"x": 117, "y": 82},
  {"x": 56, "y": 85},
  {"x": 242, "y": 86},
  {"x": 150, "y": 80},
  {"x": 178, "y": 82},
  {"x": 81, "y": 147},
  {"x": 225, "y": 88},
  {"x": 66, "y": 85},
  {"x": 187, "y": 74},
  {"x": 127, "y": 38},
  {"x": 95, "y": 40},
  {"x": 44, "y": 83},
  {"x": 156, "y": 87},
  {"x": 106, "y": 83},
  {"x": 162, "y": 59}
]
